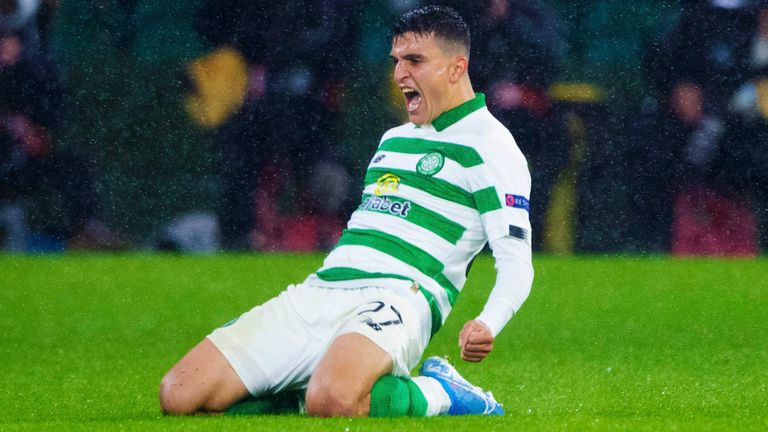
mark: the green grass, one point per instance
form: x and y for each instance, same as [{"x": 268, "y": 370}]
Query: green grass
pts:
[{"x": 603, "y": 343}]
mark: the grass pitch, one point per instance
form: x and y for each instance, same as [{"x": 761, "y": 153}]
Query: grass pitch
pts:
[{"x": 603, "y": 343}]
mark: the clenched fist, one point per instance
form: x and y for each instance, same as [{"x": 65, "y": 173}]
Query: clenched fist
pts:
[{"x": 475, "y": 341}]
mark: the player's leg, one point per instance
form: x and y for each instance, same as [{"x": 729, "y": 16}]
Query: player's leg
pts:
[
  {"x": 354, "y": 379},
  {"x": 394, "y": 396},
  {"x": 463, "y": 397},
  {"x": 439, "y": 390},
  {"x": 265, "y": 351},
  {"x": 365, "y": 371},
  {"x": 281, "y": 403},
  {"x": 341, "y": 384},
  {"x": 202, "y": 381}
]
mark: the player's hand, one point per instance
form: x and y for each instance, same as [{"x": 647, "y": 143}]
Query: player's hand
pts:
[{"x": 475, "y": 341}]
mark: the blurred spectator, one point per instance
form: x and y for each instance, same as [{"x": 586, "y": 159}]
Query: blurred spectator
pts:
[
  {"x": 745, "y": 148},
  {"x": 17, "y": 14},
  {"x": 519, "y": 47},
  {"x": 697, "y": 67},
  {"x": 51, "y": 186},
  {"x": 599, "y": 89},
  {"x": 19, "y": 17},
  {"x": 27, "y": 99},
  {"x": 712, "y": 214},
  {"x": 31, "y": 19},
  {"x": 290, "y": 123},
  {"x": 30, "y": 83},
  {"x": 709, "y": 47},
  {"x": 242, "y": 147},
  {"x": 196, "y": 232},
  {"x": 46, "y": 18},
  {"x": 218, "y": 87}
]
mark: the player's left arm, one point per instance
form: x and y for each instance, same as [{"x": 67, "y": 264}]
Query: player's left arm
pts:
[
  {"x": 509, "y": 232},
  {"x": 514, "y": 276}
]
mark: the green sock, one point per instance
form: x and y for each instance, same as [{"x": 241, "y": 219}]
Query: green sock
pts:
[
  {"x": 288, "y": 402},
  {"x": 392, "y": 396}
]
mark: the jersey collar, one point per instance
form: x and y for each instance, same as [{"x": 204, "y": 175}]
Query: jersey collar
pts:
[{"x": 455, "y": 114}]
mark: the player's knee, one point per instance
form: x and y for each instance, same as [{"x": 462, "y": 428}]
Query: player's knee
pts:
[
  {"x": 175, "y": 399},
  {"x": 334, "y": 401}
]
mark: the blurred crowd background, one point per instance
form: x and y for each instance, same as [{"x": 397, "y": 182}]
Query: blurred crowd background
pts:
[{"x": 204, "y": 125}]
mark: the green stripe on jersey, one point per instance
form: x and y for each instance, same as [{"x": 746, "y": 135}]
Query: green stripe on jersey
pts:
[
  {"x": 463, "y": 155},
  {"x": 402, "y": 251},
  {"x": 419, "y": 215},
  {"x": 434, "y": 310},
  {"x": 453, "y": 115},
  {"x": 487, "y": 200},
  {"x": 431, "y": 185},
  {"x": 335, "y": 274}
]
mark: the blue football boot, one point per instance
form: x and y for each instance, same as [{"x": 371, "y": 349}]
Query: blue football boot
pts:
[{"x": 465, "y": 397}]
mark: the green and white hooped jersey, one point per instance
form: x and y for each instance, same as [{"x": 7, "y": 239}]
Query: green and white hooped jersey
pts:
[{"x": 434, "y": 195}]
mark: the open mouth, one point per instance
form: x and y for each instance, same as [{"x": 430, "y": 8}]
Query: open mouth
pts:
[{"x": 412, "y": 99}]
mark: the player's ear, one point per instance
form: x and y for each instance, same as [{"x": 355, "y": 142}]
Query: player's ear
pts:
[{"x": 458, "y": 68}]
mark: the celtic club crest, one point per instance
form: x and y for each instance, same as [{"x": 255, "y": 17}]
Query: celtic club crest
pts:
[{"x": 430, "y": 164}]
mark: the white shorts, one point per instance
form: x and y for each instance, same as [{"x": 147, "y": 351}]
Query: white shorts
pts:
[{"x": 277, "y": 345}]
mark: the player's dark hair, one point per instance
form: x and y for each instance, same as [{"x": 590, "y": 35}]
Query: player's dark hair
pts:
[{"x": 441, "y": 21}]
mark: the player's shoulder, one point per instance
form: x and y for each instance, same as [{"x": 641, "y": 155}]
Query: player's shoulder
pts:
[
  {"x": 491, "y": 129},
  {"x": 486, "y": 134},
  {"x": 404, "y": 130}
]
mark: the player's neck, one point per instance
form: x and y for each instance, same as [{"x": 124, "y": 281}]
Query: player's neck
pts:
[{"x": 462, "y": 93}]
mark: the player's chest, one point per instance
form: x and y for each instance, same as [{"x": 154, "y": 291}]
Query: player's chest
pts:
[{"x": 433, "y": 170}]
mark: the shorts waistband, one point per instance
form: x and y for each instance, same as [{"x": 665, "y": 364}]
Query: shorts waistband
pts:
[{"x": 402, "y": 287}]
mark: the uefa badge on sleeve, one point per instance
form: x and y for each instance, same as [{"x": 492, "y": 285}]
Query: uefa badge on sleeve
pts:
[{"x": 430, "y": 164}]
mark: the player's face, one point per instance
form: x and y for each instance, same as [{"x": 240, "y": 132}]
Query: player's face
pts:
[{"x": 421, "y": 72}]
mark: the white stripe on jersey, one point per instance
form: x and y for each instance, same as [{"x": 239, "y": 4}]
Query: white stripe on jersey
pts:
[
  {"x": 462, "y": 215},
  {"x": 417, "y": 236},
  {"x": 451, "y": 171},
  {"x": 373, "y": 261}
]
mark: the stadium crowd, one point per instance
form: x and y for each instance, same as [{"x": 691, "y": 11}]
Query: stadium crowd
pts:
[{"x": 200, "y": 125}]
